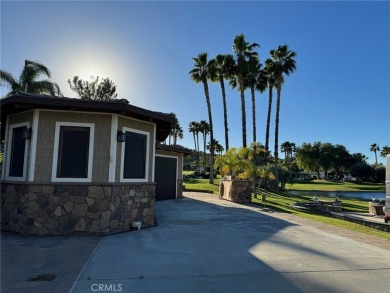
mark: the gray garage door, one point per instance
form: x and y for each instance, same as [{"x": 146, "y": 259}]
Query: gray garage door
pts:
[{"x": 165, "y": 177}]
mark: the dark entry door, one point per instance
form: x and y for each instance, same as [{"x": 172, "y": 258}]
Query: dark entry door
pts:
[{"x": 165, "y": 177}]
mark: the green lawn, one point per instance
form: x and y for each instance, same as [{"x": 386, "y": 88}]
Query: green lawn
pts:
[
  {"x": 196, "y": 184},
  {"x": 201, "y": 185},
  {"x": 323, "y": 185},
  {"x": 188, "y": 172},
  {"x": 281, "y": 201}
]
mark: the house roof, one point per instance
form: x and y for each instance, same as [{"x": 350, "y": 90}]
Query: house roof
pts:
[
  {"x": 174, "y": 148},
  {"x": 20, "y": 101}
]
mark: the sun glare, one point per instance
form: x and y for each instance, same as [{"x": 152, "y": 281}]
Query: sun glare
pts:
[
  {"x": 94, "y": 59},
  {"x": 89, "y": 75}
]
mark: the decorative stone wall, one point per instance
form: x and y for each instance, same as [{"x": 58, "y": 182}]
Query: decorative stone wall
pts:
[
  {"x": 57, "y": 209},
  {"x": 239, "y": 191}
]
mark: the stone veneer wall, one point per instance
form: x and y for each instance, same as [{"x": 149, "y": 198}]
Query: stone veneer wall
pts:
[
  {"x": 56, "y": 209},
  {"x": 239, "y": 191}
]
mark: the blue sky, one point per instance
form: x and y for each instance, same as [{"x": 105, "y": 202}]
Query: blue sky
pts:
[{"x": 340, "y": 92}]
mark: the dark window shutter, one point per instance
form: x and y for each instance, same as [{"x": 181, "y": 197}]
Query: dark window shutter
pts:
[
  {"x": 135, "y": 156},
  {"x": 17, "y": 152},
  {"x": 73, "y": 152}
]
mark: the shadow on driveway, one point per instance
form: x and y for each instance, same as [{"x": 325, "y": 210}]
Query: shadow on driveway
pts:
[
  {"x": 61, "y": 257},
  {"x": 204, "y": 244}
]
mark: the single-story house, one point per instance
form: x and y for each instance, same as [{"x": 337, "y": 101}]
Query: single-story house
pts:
[{"x": 75, "y": 166}]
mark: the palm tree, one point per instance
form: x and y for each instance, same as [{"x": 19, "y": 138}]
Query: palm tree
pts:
[
  {"x": 204, "y": 128},
  {"x": 285, "y": 148},
  {"x": 201, "y": 72},
  {"x": 218, "y": 148},
  {"x": 293, "y": 149},
  {"x": 174, "y": 128},
  {"x": 177, "y": 133},
  {"x": 385, "y": 151},
  {"x": 193, "y": 127},
  {"x": 288, "y": 148},
  {"x": 270, "y": 83},
  {"x": 28, "y": 80},
  {"x": 223, "y": 68},
  {"x": 255, "y": 81},
  {"x": 243, "y": 52},
  {"x": 282, "y": 63},
  {"x": 375, "y": 148}
]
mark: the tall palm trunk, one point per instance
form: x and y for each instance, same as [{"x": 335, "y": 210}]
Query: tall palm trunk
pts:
[
  {"x": 243, "y": 114},
  {"x": 243, "y": 119},
  {"x": 197, "y": 151},
  {"x": 204, "y": 149},
  {"x": 279, "y": 89},
  {"x": 268, "y": 119},
  {"x": 254, "y": 175},
  {"x": 285, "y": 157},
  {"x": 206, "y": 90},
  {"x": 225, "y": 122},
  {"x": 194, "y": 139},
  {"x": 253, "y": 112}
]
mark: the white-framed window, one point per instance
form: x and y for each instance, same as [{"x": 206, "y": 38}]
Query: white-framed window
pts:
[
  {"x": 135, "y": 156},
  {"x": 16, "y": 162},
  {"x": 73, "y": 152}
]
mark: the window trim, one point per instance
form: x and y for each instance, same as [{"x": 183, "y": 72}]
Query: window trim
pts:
[
  {"x": 146, "y": 176},
  {"x": 113, "y": 148},
  {"x": 33, "y": 146},
  {"x": 9, "y": 150},
  {"x": 91, "y": 127}
]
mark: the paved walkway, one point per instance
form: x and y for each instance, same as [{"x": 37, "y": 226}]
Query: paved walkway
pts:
[
  {"x": 365, "y": 217},
  {"x": 204, "y": 244}
]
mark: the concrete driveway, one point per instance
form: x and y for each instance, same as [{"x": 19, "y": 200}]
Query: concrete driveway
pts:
[
  {"x": 43, "y": 264},
  {"x": 204, "y": 244}
]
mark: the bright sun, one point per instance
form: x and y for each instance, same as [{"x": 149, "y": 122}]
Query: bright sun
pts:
[
  {"x": 89, "y": 74},
  {"x": 90, "y": 62}
]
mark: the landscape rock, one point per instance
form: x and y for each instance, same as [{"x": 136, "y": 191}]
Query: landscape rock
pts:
[{"x": 81, "y": 225}]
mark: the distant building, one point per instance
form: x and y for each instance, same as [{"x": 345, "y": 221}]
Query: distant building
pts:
[{"x": 305, "y": 175}]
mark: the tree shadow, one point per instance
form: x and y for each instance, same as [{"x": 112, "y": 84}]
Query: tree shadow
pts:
[
  {"x": 192, "y": 181},
  {"x": 205, "y": 244}
]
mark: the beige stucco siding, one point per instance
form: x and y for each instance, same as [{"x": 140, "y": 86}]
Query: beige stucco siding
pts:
[
  {"x": 179, "y": 157},
  {"x": 137, "y": 125},
  {"x": 45, "y": 142}
]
